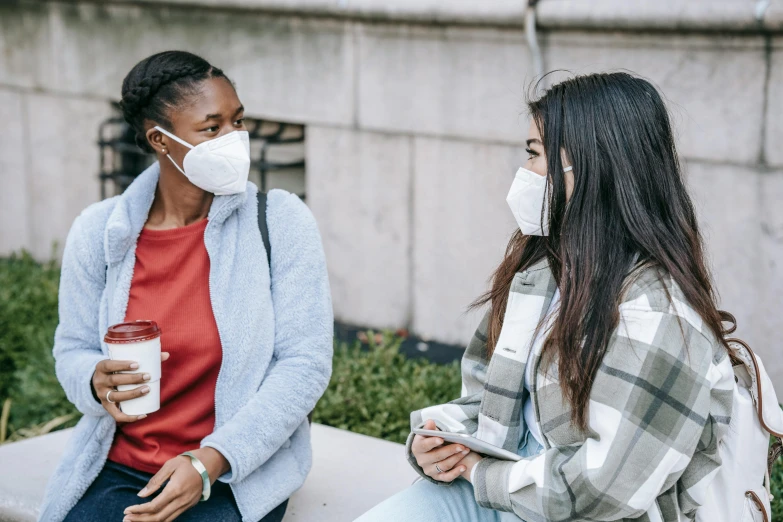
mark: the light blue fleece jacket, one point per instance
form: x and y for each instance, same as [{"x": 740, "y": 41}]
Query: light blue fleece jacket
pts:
[{"x": 276, "y": 339}]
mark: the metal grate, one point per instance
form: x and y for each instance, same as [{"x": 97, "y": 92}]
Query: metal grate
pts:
[
  {"x": 277, "y": 155},
  {"x": 120, "y": 159},
  {"x": 276, "y": 152}
]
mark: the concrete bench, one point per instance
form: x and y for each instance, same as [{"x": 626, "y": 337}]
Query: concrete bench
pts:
[{"x": 351, "y": 473}]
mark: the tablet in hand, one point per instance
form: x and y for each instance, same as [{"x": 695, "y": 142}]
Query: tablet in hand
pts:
[{"x": 479, "y": 446}]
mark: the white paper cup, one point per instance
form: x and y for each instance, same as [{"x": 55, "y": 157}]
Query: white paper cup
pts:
[
  {"x": 145, "y": 353},
  {"x": 141, "y": 405},
  {"x": 138, "y": 341}
]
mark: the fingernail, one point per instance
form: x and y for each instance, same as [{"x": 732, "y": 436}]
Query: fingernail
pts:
[
  {"x": 145, "y": 389},
  {"x": 465, "y": 452},
  {"x": 126, "y": 519},
  {"x": 127, "y": 512},
  {"x": 143, "y": 492},
  {"x": 134, "y": 366},
  {"x": 462, "y": 470},
  {"x": 142, "y": 416},
  {"x": 146, "y": 376}
]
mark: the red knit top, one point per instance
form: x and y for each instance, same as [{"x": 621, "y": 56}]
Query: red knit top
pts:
[{"x": 170, "y": 285}]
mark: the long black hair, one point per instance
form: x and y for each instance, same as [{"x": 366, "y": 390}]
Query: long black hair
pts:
[
  {"x": 158, "y": 84},
  {"x": 629, "y": 203}
]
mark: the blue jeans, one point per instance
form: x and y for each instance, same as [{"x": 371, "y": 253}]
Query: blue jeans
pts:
[
  {"x": 425, "y": 501},
  {"x": 116, "y": 487}
]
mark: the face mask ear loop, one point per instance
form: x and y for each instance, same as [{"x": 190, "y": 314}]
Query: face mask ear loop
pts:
[
  {"x": 175, "y": 164},
  {"x": 568, "y": 169},
  {"x": 170, "y": 135},
  {"x": 181, "y": 142}
]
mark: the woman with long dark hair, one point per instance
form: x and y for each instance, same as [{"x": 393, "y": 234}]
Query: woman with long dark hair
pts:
[
  {"x": 247, "y": 343},
  {"x": 601, "y": 360}
]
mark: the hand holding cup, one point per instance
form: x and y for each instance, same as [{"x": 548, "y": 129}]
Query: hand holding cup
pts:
[
  {"x": 105, "y": 381},
  {"x": 135, "y": 358}
]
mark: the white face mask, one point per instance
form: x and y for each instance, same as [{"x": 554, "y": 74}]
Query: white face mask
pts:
[
  {"x": 220, "y": 166},
  {"x": 529, "y": 202}
]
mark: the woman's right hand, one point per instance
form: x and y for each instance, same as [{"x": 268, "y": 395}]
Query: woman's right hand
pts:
[
  {"x": 430, "y": 452},
  {"x": 105, "y": 380}
]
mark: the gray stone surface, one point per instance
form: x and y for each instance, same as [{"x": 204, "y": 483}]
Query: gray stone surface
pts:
[
  {"x": 63, "y": 165},
  {"x": 14, "y": 197},
  {"x": 739, "y": 211},
  {"x": 770, "y": 307},
  {"x": 26, "y": 46},
  {"x": 462, "y": 225},
  {"x": 649, "y": 14},
  {"x": 727, "y": 204},
  {"x": 358, "y": 186},
  {"x": 340, "y": 486},
  {"x": 440, "y": 81},
  {"x": 773, "y": 17},
  {"x": 289, "y": 69},
  {"x": 472, "y": 83},
  {"x": 773, "y": 150},
  {"x": 26, "y": 467},
  {"x": 715, "y": 85},
  {"x": 639, "y": 14}
]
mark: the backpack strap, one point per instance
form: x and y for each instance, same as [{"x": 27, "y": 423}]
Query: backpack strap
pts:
[
  {"x": 262, "y": 226},
  {"x": 761, "y": 389}
]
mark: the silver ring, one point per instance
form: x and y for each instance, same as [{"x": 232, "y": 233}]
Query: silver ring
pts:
[
  {"x": 438, "y": 469},
  {"x": 108, "y": 393}
]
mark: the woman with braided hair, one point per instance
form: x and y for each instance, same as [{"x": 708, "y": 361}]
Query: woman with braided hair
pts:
[{"x": 247, "y": 343}]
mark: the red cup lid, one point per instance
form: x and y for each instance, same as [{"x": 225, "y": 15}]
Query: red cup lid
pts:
[{"x": 132, "y": 332}]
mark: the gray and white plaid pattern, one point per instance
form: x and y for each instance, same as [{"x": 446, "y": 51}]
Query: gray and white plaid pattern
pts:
[{"x": 659, "y": 404}]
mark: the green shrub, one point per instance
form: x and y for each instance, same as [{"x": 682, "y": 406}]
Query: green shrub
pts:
[
  {"x": 373, "y": 391},
  {"x": 776, "y": 478},
  {"x": 28, "y": 317}
]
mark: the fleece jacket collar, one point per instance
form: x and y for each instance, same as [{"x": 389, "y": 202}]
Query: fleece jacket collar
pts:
[{"x": 132, "y": 209}]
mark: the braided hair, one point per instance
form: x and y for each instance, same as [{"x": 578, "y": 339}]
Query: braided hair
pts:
[{"x": 157, "y": 85}]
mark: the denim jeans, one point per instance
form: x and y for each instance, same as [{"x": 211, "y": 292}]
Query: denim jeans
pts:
[
  {"x": 425, "y": 501},
  {"x": 116, "y": 487}
]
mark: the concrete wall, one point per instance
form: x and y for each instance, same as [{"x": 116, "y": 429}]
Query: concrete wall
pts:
[{"x": 415, "y": 124}]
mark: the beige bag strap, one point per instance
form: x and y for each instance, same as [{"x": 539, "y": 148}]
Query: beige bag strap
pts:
[{"x": 741, "y": 353}]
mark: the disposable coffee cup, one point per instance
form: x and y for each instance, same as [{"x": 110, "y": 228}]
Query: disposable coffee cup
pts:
[{"x": 138, "y": 341}]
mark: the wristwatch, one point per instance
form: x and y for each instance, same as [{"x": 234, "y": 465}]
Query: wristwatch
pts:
[{"x": 206, "y": 487}]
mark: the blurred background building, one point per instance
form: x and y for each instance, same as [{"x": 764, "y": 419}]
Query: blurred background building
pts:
[{"x": 403, "y": 122}]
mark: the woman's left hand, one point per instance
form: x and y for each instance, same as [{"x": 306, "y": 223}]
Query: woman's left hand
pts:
[
  {"x": 469, "y": 462},
  {"x": 183, "y": 490}
]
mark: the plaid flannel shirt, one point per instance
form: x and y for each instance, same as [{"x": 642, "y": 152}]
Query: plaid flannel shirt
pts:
[{"x": 660, "y": 403}]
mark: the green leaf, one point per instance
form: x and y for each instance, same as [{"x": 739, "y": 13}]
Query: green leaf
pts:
[{"x": 374, "y": 388}]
